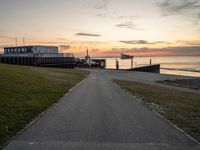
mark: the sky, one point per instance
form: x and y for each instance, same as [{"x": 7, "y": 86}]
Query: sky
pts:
[{"x": 104, "y": 27}]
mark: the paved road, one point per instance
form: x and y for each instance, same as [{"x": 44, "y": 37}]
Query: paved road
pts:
[{"x": 98, "y": 115}]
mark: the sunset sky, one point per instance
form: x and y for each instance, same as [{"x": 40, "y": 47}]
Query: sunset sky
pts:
[{"x": 105, "y": 27}]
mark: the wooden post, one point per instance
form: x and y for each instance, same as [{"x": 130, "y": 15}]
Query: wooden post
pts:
[
  {"x": 117, "y": 64},
  {"x": 131, "y": 62},
  {"x": 150, "y": 61},
  {"x": 104, "y": 63}
]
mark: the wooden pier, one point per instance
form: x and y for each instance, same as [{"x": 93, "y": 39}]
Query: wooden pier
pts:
[
  {"x": 60, "y": 62},
  {"x": 150, "y": 68}
]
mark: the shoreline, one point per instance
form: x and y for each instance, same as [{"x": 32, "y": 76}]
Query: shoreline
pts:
[
  {"x": 174, "y": 72},
  {"x": 198, "y": 71},
  {"x": 173, "y": 65},
  {"x": 179, "y": 72}
]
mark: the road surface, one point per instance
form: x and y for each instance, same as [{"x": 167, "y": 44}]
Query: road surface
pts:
[{"x": 98, "y": 115}]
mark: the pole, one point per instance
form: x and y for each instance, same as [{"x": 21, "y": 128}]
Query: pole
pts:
[
  {"x": 117, "y": 64},
  {"x": 16, "y": 41},
  {"x": 131, "y": 62},
  {"x": 87, "y": 53},
  {"x": 150, "y": 61},
  {"x": 23, "y": 41}
]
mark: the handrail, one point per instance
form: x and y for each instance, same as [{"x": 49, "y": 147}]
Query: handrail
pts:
[{"x": 42, "y": 55}]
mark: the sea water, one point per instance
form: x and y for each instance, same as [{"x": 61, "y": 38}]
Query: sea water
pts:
[{"x": 177, "y": 65}]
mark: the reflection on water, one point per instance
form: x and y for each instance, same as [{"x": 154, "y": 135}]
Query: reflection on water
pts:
[{"x": 178, "y": 65}]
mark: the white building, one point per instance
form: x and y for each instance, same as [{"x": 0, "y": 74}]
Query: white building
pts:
[{"x": 30, "y": 51}]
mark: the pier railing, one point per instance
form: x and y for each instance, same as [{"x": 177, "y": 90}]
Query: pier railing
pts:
[{"x": 38, "y": 55}]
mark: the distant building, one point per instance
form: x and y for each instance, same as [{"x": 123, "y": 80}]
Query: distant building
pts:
[
  {"x": 30, "y": 51},
  {"x": 41, "y": 56}
]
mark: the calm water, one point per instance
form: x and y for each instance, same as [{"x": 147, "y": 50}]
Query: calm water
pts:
[{"x": 187, "y": 66}]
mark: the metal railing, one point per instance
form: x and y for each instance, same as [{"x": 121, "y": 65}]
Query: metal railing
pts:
[{"x": 39, "y": 55}]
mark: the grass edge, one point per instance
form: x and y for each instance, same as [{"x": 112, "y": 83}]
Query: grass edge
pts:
[
  {"x": 137, "y": 98},
  {"x": 41, "y": 114}
]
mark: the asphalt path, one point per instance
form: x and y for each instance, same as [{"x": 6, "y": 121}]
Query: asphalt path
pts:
[{"x": 98, "y": 115}]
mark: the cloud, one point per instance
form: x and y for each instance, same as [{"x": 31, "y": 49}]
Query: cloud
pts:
[
  {"x": 141, "y": 42},
  {"x": 6, "y": 37},
  {"x": 94, "y": 50},
  {"x": 64, "y": 47},
  {"x": 184, "y": 49},
  {"x": 46, "y": 42},
  {"x": 145, "y": 51},
  {"x": 88, "y": 34},
  {"x": 190, "y": 43},
  {"x": 128, "y": 25},
  {"x": 137, "y": 50},
  {"x": 113, "y": 15},
  {"x": 61, "y": 39},
  {"x": 98, "y": 4},
  {"x": 101, "y": 8},
  {"x": 175, "y": 7}
]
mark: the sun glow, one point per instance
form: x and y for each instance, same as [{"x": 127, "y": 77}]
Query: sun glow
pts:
[{"x": 106, "y": 28}]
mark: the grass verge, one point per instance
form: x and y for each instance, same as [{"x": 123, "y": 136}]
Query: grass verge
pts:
[
  {"x": 27, "y": 91},
  {"x": 181, "y": 108}
]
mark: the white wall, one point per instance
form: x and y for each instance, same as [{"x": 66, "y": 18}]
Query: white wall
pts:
[{"x": 45, "y": 49}]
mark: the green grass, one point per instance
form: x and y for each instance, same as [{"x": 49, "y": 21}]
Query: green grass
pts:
[
  {"x": 27, "y": 91},
  {"x": 181, "y": 108}
]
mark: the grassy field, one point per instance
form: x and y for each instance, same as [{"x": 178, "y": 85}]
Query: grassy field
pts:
[
  {"x": 183, "y": 109},
  {"x": 27, "y": 91}
]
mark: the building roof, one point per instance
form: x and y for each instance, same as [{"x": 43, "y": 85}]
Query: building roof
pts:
[{"x": 30, "y": 46}]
